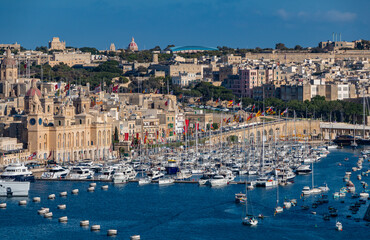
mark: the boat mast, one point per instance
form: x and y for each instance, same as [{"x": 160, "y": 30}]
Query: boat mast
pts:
[{"x": 364, "y": 112}]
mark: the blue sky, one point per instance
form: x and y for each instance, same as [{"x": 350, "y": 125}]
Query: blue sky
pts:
[{"x": 233, "y": 23}]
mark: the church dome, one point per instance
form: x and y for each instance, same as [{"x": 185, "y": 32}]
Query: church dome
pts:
[
  {"x": 133, "y": 46},
  {"x": 33, "y": 90},
  {"x": 8, "y": 61}
]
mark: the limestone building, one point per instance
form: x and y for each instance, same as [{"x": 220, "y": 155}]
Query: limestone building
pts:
[
  {"x": 66, "y": 132},
  {"x": 56, "y": 44}
]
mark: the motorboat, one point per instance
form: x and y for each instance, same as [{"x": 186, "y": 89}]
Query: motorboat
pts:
[
  {"x": 279, "y": 209},
  {"x": 172, "y": 167},
  {"x": 18, "y": 172},
  {"x": 81, "y": 173},
  {"x": 306, "y": 190},
  {"x": 339, "y": 226},
  {"x": 144, "y": 181},
  {"x": 165, "y": 181},
  {"x": 125, "y": 174},
  {"x": 119, "y": 177},
  {"x": 11, "y": 188},
  {"x": 218, "y": 181},
  {"x": 303, "y": 169},
  {"x": 265, "y": 181},
  {"x": 55, "y": 172},
  {"x": 107, "y": 173},
  {"x": 204, "y": 180},
  {"x": 155, "y": 174},
  {"x": 240, "y": 197}
]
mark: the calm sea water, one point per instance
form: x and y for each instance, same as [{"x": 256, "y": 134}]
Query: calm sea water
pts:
[{"x": 186, "y": 211}]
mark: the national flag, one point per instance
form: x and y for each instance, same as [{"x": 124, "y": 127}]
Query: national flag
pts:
[
  {"x": 250, "y": 117},
  {"x": 56, "y": 86},
  {"x": 49, "y": 157},
  {"x": 230, "y": 103},
  {"x": 126, "y": 136},
  {"x": 258, "y": 113},
  {"x": 202, "y": 130},
  {"x": 285, "y": 111},
  {"x": 166, "y": 103},
  {"x": 66, "y": 88},
  {"x": 32, "y": 156},
  {"x": 115, "y": 88},
  {"x": 253, "y": 107},
  {"x": 239, "y": 104},
  {"x": 98, "y": 89},
  {"x": 217, "y": 100}
]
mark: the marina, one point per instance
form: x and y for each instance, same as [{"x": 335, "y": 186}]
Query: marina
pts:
[{"x": 201, "y": 212}]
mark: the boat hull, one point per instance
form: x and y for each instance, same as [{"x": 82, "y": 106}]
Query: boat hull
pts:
[{"x": 14, "y": 189}]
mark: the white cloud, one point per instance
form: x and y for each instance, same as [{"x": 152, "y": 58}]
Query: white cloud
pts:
[
  {"x": 330, "y": 16},
  {"x": 283, "y": 14},
  {"x": 338, "y": 16}
]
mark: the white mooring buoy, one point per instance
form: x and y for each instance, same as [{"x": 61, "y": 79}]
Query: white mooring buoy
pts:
[
  {"x": 22, "y": 202},
  {"x": 75, "y": 191},
  {"x": 112, "y": 232},
  {"x": 48, "y": 215},
  {"x": 36, "y": 199},
  {"x": 51, "y": 196},
  {"x": 62, "y": 206},
  {"x": 91, "y": 189},
  {"x": 2, "y": 205},
  {"x": 84, "y": 223},
  {"x": 63, "y": 219},
  {"x": 95, "y": 228},
  {"x": 63, "y": 194},
  {"x": 93, "y": 184},
  {"x": 104, "y": 187},
  {"x": 135, "y": 237}
]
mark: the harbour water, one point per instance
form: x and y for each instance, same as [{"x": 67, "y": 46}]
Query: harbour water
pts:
[{"x": 188, "y": 211}]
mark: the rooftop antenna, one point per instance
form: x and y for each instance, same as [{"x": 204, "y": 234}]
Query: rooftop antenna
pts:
[
  {"x": 340, "y": 37},
  {"x": 333, "y": 36},
  {"x": 336, "y": 37}
]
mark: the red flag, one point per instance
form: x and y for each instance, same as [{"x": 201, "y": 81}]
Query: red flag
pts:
[
  {"x": 197, "y": 126},
  {"x": 137, "y": 135},
  {"x": 166, "y": 103},
  {"x": 56, "y": 86},
  {"x": 115, "y": 88},
  {"x": 66, "y": 88},
  {"x": 126, "y": 136}
]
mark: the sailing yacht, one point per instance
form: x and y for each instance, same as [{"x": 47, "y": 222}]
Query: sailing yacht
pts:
[
  {"x": 278, "y": 209},
  {"x": 248, "y": 220}
]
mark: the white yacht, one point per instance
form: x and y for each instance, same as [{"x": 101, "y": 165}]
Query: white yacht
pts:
[
  {"x": 80, "y": 173},
  {"x": 265, "y": 181},
  {"x": 14, "y": 188},
  {"x": 124, "y": 174},
  {"x": 154, "y": 174},
  {"x": 218, "y": 181},
  {"x": 144, "y": 181},
  {"x": 55, "y": 172},
  {"x": 107, "y": 173},
  {"x": 18, "y": 172},
  {"x": 165, "y": 181},
  {"x": 303, "y": 169}
]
